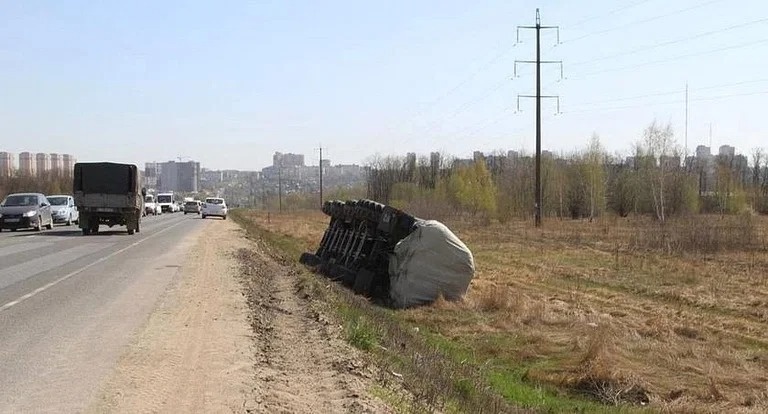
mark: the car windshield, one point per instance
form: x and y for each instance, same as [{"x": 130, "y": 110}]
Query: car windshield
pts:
[
  {"x": 58, "y": 201},
  {"x": 214, "y": 201},
  {"x": 20, "y": 200}
]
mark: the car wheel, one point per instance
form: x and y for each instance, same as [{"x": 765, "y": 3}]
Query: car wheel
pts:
[
  {"x": 224, "y": 217},
  {"x": 203, "y": 216},
  {"x": 185, "y": 213}
]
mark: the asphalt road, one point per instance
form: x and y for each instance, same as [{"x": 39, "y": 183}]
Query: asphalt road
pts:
[{"x": 69, "y": 304}]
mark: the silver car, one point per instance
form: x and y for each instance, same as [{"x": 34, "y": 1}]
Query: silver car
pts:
[
  {"x": 63, "y": 209},
  {"x": 25, "y": 210}
]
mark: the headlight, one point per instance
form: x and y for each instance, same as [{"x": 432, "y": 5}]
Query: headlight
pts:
[{"x": 30, "y": 213}]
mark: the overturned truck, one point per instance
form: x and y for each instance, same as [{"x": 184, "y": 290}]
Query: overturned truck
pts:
[{"x": 387, "y": 254}]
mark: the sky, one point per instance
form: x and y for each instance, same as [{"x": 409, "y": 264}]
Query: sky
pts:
[{"x": 228, "y": 83}]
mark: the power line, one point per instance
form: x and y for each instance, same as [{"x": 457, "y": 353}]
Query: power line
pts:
[
  {"x": 671, "y": 42},
  {"x": 654, "y": 62},
  {"x": 647, "y": 20},
  {"x": 469, "y": 78},
  {"x": 675, "y": 102},
  {"x": 674, "y": 92},
  {"x": 609, "y": 13}
]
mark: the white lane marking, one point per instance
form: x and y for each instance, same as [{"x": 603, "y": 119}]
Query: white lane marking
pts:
[{"x": 80, "y": 270}]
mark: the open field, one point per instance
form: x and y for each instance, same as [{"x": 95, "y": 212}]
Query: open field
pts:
[{"x": 608, "y": 309}]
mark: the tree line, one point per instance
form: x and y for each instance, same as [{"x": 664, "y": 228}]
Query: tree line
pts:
[
  {"x": 657, "y": 180},
  {"x": 48, "y": 183}
]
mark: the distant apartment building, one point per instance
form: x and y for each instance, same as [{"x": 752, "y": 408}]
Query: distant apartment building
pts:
[
  {"x": 27, "y": 164},
  {"x": 179, "y": 176},
  {"x": 287, "y": 160},
  {"x": 57, "y": 164},
  {"x": 68, "y": 164},
  {"x": 727, "y": 151},
  {"x": 42, "y": 163},
  {"x": 151, "y": 174},
  {"x": 7, "y": 164}
]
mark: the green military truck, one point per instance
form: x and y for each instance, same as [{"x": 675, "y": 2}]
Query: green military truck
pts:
[{"x": 108, "y": 193}]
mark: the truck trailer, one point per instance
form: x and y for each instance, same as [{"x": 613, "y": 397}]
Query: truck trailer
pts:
[{"x": 108, "y": 193}]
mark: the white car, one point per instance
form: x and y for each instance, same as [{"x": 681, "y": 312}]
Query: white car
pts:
[
  {"x": 63, "y": 209},
  {"x": 214, "y": 206},
  {"x": 150, "y": 206}
]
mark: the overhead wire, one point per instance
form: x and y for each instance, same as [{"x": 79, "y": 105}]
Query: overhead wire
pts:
[
  {"x": 677, "y": 101},
  {"x": 646, "y": 20},
  {"x": 670, "y": 42},
  {"x": 609, "y": 13},
  {"x": 670, "y": 59}
]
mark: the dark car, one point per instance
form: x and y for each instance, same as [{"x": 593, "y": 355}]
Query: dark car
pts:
[
  {"x": 25, "y": 210},
  {"x": 192, "y": 207}
]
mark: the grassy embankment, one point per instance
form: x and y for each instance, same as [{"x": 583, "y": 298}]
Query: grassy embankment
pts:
[{"x": 600, "y": 316}]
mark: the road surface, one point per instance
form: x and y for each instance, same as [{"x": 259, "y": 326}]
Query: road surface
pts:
[{"x": 70, "y": 304}]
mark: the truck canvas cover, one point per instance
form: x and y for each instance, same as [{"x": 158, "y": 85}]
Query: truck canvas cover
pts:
[
  {"x": 429, "y": 262},
  {"x": 105, "y": 178}
]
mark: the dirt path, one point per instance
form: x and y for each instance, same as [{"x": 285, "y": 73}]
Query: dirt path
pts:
[
  {"x": 303, "y": 366},
  {"x": 195, "y": 353},
  {"x": 233, "y": 334}
]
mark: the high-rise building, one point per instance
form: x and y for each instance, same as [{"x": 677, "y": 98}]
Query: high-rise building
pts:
[
  {"x": 68, "y": 164},
  {"x": 287, "y": 160},
  {"x": 27, "y": 165},
  {"x": 179, "y": 176},
  {"x": 703, "y": 152},
  {"x": 7, "y": 164},
  {"x": 42, "y": 163},
  {"x": 727, "y": 151},
  {"x": 56, "y": 163}
]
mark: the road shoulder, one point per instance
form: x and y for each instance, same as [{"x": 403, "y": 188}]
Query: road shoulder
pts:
[{"x": 194, "y": 354}]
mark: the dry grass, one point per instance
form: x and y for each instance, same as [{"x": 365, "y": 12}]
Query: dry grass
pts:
[{"x": 612, "y": 308}]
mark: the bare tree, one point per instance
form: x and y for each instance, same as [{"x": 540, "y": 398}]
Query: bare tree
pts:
[{"x": 658, "y": 142}]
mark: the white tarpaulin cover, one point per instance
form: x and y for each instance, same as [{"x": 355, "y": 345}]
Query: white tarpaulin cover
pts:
[{"x": 428, "y": 262}]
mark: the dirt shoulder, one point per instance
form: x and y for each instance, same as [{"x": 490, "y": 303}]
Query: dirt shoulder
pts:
[
  {"x": 234, "y": 334},
  {"x": 303, "y": 366},
  {"x": 195, "y": 352}
]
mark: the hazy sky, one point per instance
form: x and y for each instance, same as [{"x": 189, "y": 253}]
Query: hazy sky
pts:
[{"x": 230, "y": 82}]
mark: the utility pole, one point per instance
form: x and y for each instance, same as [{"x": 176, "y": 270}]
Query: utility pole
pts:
[
  {"x": 538, "y": 96},
  {"x": 280, "y": 185},
  {"x": 686, "y": 120},
  {"x": 321, "y": 175}
]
